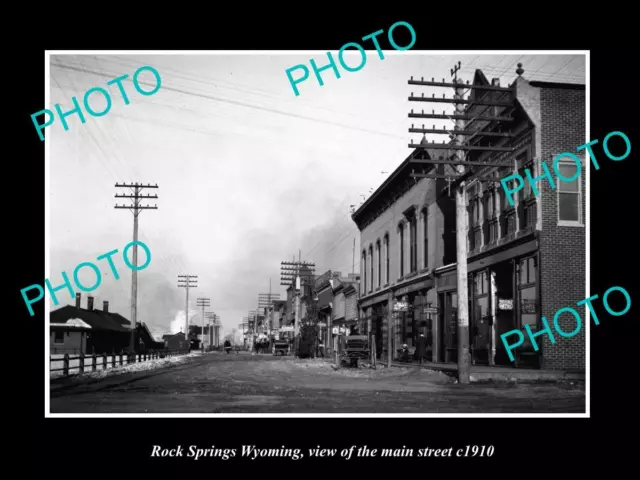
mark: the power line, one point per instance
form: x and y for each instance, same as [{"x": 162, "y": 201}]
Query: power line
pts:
[{"x": 241, "y": 104}]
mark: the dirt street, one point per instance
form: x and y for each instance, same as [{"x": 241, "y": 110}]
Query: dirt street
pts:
[{"x": 218, "y": 383}]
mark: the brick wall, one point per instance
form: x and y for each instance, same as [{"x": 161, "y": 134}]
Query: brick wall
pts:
[{"x": 562, "y": 248}]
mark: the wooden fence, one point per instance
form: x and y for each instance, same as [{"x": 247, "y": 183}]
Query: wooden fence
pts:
[{"x": 106, "y": 360}]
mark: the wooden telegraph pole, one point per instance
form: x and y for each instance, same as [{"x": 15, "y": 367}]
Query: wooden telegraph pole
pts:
[
  {"x": 291, "y": 273},
  {"x": 136, "y": 208},
  {"x": 465, "y": 170}
]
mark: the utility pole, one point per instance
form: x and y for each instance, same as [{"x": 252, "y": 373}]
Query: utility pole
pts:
[
  {"x": 464, "y": 359},
  {"x": 203, "y": 302},
  {"x": 299, "y": 274},
  {"x": 186, "y": 282},
  {"x": 265, "y": 300},
  {"x": 135, "y": 208},
  {"x": 465, "y": 170}
]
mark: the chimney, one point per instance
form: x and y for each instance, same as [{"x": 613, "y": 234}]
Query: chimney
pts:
[
  {"x": 89, "y": 303},
  {"x": 78, "y": 297},
  {"x": 495, "y": 82},
  {"x": 105, "y": 306}
]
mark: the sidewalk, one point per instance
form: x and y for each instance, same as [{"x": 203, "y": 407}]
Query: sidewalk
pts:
[{"x": 485, "y": 372}]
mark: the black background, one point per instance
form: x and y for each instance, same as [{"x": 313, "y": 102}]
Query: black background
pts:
[{"x": 120, "y": 447}]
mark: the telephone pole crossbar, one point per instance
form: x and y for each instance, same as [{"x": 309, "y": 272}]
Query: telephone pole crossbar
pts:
[
  {"x": 292, "y": 274},
  {"x": 135, "y": 208}
]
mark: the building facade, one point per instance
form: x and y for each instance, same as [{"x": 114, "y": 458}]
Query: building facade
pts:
[
  {"x": 405, "y": 233},
  {"x": 525, "y": 260}
]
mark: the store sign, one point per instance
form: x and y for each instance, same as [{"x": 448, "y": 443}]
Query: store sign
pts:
[
  {"x": 322, "y": 324},
  {"x": 286, "y": 329},
  {"x": 401, "y": 307},
  {"x": 335, "y": 330},
  {"x": 528, "y": 306},
  {"x": 505, "y": 304},
  {"x": 431, "y": 310}
]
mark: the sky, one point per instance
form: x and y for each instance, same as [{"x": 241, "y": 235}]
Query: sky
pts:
[{"x": 249, "y": 174}]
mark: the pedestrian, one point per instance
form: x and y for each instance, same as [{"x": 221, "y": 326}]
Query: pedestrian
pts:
[
  {"x": 421, "y": 348},
  {"x": 320, "y": 348}
]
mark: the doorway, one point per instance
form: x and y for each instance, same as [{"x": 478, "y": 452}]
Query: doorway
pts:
[{"x": 448, "y": 327}]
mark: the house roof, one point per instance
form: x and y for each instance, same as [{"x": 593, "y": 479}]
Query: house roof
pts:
[
  {"x": 96, "y": 319},
  {"x": 170, "y": 335}
]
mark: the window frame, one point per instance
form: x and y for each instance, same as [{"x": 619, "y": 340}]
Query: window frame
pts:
[
  {"x": 55, "y": 340},
  {"x": 378, "y": 250},
  {"x": 413, "y": 244},
  {"x": 579, "y": 193},
  {"x": 371, "y": 265},
  {"x": 364, "y": 271},
  {"x": 401, "y": 238},
  {"x": 425, "y": 239},
  {"x": 386, "y": 254}
]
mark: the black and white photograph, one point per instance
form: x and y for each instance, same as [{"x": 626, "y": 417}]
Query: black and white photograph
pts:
[{"x": 291, "y": 233}]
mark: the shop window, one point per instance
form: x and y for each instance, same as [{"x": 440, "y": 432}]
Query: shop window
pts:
[
  {"x": 569, "y": 194},
  {"x": 481, "y": 283},
  {"x": 528, "y": 271},
  {"x": 527, "y": 292}
]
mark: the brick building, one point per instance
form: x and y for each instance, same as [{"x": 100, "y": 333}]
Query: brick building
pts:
[{"x": 525, "y": 260}]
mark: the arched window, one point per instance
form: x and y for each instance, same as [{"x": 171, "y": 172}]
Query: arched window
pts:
[
  {"x": 425, "y": 238},
  {"x": 379, "y": 261},
  {"x": 364, "y": 271},
  {"x": 401, "y": 236},
  {"x": 371, "y": 265},
  {"x": 386, "y": 254}
]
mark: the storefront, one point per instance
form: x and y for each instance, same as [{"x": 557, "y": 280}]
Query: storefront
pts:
[
  {"x": 413, "y": 315},
  {"x": 503, "y": 296}
]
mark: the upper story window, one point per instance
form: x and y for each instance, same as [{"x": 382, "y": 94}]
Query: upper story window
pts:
[
  {"x": 371, "y": 266},
  {"x": 413, "y": 243},
  {"x": 425, "y": 238},
  {"x": 525, "y": 163},
  {"x": 379, "y": 261},
  {"x": 504, "y": 203},
  {"x": 569, "y": 194},
  {"x": 488, "y": 204},
  {"x": 364, "y": 271},
  {"x": 386, "y": 254},
  {"x": 401, "y": 238}
]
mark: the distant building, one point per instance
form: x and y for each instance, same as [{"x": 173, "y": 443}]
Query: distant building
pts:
[
  {"x": 75, "y": 330},
  {"x": 175, "y": 342}
]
